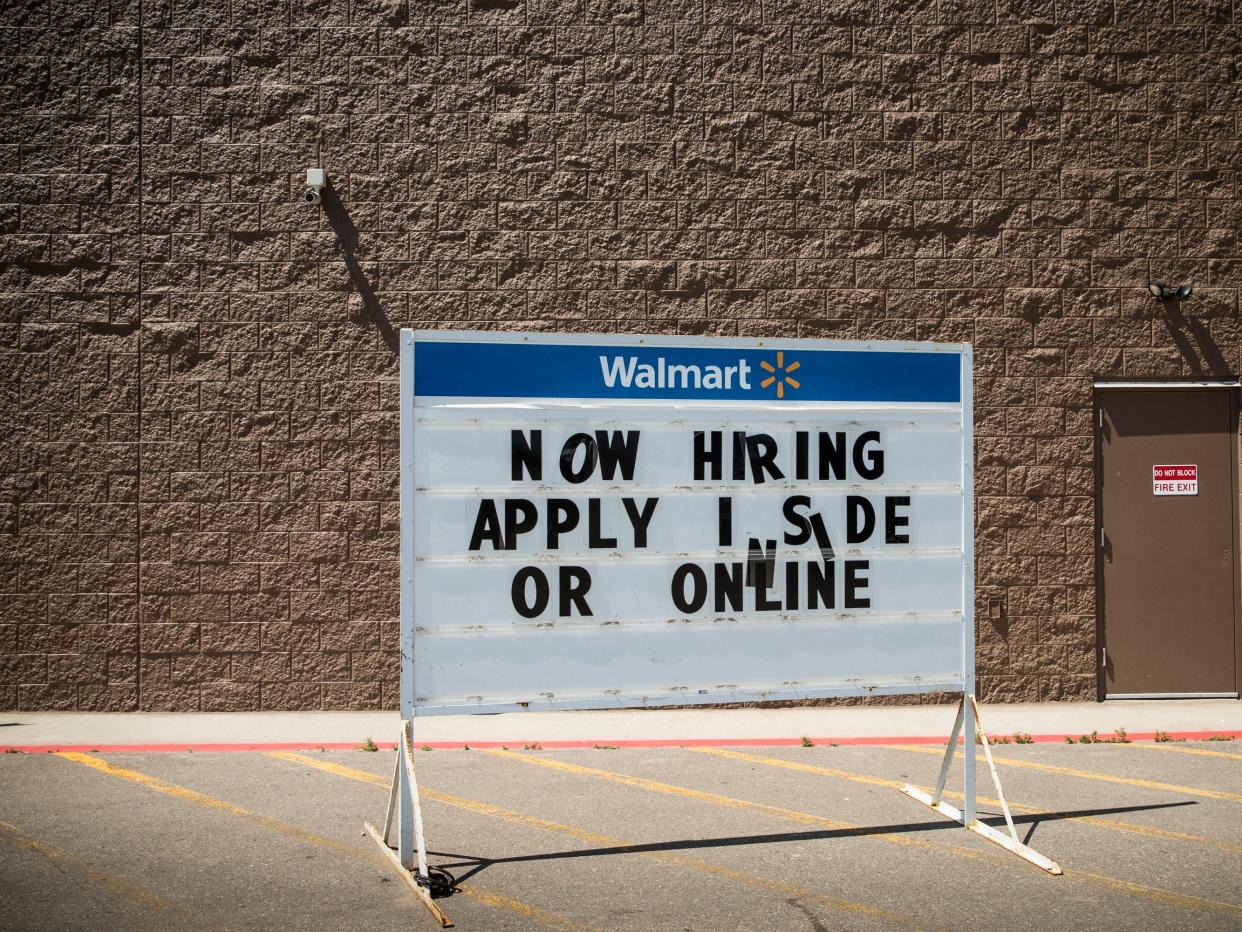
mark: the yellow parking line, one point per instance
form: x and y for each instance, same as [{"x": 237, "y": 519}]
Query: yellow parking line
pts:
[
  {"x": 117, "y": 886},
  {"x": 1202, "y": 752},
  {"x": 1157, "y": 894},
  {"x": 789, "y": 891},
  {"x": 1091, "y": 775},
  {"x": 446, "y": 798},
  {"x": 193, "y": 796},
  {"x": 533, "y": 913},
  {"x": 1099, "y": 821},
  {"x": 789, "y": 815},
  {"x": 804, "y": 768},
  {"x": 338, "y": 769},
  {"x": 1114, "y": 884},
  {"x": 292, "y": 831},
  {"x": 1167, "y": 834}
]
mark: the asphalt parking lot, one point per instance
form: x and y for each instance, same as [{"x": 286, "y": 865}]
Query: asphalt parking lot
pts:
[{"x": 1149, "y": 835}]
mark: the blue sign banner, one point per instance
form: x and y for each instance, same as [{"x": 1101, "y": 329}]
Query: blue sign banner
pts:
[{"x": 470, "y": 369}]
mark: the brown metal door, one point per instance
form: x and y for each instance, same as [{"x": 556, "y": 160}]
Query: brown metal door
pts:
[{"x": 1167, "y": 560}]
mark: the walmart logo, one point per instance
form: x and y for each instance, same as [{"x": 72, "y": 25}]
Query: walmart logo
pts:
[
  {"x": 628, "y": 372},
  {"x": 780, "y": 380}
]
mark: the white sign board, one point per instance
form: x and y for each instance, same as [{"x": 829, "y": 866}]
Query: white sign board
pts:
[
  {"x": 1180, "y": 479},
  {"x": 593, "y": 522}
]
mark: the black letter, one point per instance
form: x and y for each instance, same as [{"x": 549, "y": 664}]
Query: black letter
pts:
[
  {"x": 765, "y": 461},
  {"x": 791, "y": 585},
  {"x": 613, "y": 452},
  {"x": 831, "y": 455},
  {"x": 739, "y": 455},
  {"x": 854, "y": 580},
  {"x": 761, "y": 564},
  {"x": 587, "y": 442},
  {"x": 801, "y": 455},
  {"x": 575, "y": 584},
  {"x": 873, "y": 467},
  {"x": 892, "y": 521},
  {"x": 640, "y": 519},
  {"x": 729, "y": 581},
  {"x": 724, "y": 506},
  {"x": 526, "y": 453},
  {"x": 487, "y": 527},
  {"x": 594, "y": 520},
  {"x": 518, "y": 592},
  {"x": 855, "y": 505},
  {"x": 799, "y": 521},
  {"x": 765, "y": 579},
  {"x": 821, "y": 536},
  {"x": 821, "y": 584},
  {"x": 515, "y": 526},
  {"x": 688, "y": 606},
  {"x": 562, "y": 517},
  {"x": 702, "y": 455}
]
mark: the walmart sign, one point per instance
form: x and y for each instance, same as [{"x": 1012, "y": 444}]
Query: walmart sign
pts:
[
  {"x": 593, "y": 522},
  {"x": 555, "y": 367}
]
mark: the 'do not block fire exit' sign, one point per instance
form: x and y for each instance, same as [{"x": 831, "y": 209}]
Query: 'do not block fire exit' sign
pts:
[{"x": 1175, "y": 480}]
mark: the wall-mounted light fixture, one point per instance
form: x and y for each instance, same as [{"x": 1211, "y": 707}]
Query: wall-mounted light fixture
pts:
[
  {"x": 1162, "y": 292},
  {"x": 316, "y": 181}
]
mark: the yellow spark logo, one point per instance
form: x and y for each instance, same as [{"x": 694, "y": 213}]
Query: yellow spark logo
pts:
[{"x": 781, "y": 381}]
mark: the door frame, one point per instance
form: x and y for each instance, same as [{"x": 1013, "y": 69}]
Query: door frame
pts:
[{"x": 1103, "y": 385}]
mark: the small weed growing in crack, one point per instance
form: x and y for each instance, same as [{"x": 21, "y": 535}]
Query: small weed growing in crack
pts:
[{"x": 1095, "y": 738}]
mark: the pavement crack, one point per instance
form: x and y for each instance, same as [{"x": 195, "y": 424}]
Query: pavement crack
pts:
[{"x": 816, "y": 925}]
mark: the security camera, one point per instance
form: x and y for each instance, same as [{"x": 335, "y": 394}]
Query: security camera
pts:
[
  {"x": 316, "y": 181},
  {"x": 1162, "y": 292}
]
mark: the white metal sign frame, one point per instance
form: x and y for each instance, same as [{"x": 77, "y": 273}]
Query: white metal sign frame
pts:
[
  {"x": 444, "y": 641},
  {"x": 571, "y": 356}
]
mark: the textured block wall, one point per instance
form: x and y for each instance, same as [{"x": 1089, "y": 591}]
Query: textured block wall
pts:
[{"x": 197, "y": 412}]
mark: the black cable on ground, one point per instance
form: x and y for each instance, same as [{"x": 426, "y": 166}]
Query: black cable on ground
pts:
[{"x": 439, "y": 881}]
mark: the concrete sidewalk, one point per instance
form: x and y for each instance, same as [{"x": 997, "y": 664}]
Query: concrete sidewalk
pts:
[{"x": 854, "y": 725}]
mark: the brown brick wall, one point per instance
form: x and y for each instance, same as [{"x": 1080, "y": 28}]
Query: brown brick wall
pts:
[{"x": 198, "y": 403}]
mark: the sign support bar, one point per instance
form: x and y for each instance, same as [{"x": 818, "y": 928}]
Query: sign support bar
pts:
[
  {"x": 968, "y": 714},
  {"x": 403, "y": 803},
  {"x": 410, "y": 856}
]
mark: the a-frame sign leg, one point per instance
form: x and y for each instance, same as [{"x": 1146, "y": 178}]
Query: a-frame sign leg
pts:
[
  {"x": 404, "y": 811},
  {"x": 968, "y": 714},
  {"x": 406, "y": 814}
]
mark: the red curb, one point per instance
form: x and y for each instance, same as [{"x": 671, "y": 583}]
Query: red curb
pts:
[
  {"x": 207, "y": 748},
  {"x": 579, "y": 744}
]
